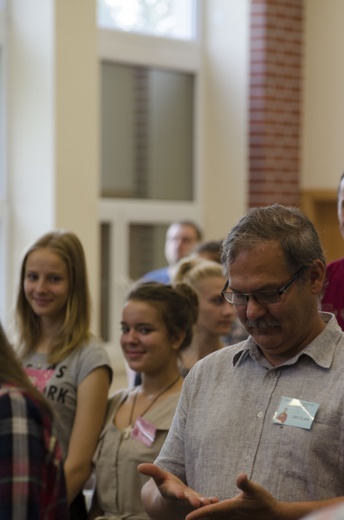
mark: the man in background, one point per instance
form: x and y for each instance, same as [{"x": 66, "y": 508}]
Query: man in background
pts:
[
  {"x": 333, "y": 299},
  {"x": 181, "y": 238}
]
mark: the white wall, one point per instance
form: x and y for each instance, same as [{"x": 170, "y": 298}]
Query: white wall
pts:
[
  {"x": 30, "y": 127},
  {"x": 225, "y": 133},
  {"x": 52, "y": 128},
  {"x": 323, "y": 101}
]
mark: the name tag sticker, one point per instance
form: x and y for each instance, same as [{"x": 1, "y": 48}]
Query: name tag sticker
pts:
[
  {"x": 295, "y": 412},
  {"x": 143, "y": 431}
]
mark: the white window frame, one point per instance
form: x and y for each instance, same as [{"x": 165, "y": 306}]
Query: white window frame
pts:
[{"x": 151, "y": 51}]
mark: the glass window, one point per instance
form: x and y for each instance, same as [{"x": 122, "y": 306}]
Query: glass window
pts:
[
  {"x": 105, "y": 282},
  {"x": 150, "y": 147},
  {"x": 168, "y": 18},
  {"x": 146, "y": 252},
  {"x": 147, "y": 133},
  {"x": 146, "y": 249}
]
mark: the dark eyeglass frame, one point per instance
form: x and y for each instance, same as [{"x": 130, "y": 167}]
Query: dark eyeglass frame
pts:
[{"x": 272, "y": 296}]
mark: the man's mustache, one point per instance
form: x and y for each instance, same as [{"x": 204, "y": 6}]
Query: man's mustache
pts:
[{"x": 261, "y": 324}]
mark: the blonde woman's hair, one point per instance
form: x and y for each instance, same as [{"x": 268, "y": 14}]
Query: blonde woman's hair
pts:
[
  {"x": 193, "y": 269},
  {"x": 76, "y": 325}
]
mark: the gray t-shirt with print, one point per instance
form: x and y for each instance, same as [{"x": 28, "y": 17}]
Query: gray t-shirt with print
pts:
[{"x": 60, "y": 383}]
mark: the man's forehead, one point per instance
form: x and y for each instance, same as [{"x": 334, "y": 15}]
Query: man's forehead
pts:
[
  {"x": 181, "y": 230},
  {"x": 264, "y": 257}
]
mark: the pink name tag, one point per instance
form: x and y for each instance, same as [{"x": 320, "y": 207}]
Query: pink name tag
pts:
[{"x": 143, "y": 431}]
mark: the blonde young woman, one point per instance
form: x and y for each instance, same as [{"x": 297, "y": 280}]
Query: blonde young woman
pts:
[
  {"x": 59, "y": 353},
  {"x": 215, "y": 317},
  {"x": 157, "y": 323}
]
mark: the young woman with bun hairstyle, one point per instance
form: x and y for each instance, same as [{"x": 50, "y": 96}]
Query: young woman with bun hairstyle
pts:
[{"x": 157, "y": 325}]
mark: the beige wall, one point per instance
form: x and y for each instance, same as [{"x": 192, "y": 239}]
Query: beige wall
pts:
[
  {"x": 323, "y": 119},
  {"x": 225, "y": 139},
  {"x": 53, "y": 128},
  {"x": 30, "y": 115},
  {"x": 323, "y": 107}
]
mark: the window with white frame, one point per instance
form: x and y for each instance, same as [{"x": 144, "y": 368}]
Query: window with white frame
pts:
[
  {"x": 150, "y": 111},
  {"x": 147, "y": 132}
]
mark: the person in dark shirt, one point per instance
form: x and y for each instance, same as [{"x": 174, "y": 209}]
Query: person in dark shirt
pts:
[
  {"x": 32, "y": 483},
  {"x": 333, "y": 298}
]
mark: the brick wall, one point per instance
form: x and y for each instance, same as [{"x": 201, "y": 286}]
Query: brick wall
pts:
[{"x": 275, "y": 101}]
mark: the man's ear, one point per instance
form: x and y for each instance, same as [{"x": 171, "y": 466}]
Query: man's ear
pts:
[{"x": 317, "y": 276}]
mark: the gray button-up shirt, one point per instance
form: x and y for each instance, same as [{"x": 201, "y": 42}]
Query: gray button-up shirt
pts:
[{"x": 224, "y": 422}]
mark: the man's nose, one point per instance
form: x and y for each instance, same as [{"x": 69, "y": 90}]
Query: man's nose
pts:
[{"x": 254, "y": 309}]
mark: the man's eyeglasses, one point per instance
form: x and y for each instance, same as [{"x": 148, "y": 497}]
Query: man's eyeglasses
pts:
[{"x": 263, "y": 297}]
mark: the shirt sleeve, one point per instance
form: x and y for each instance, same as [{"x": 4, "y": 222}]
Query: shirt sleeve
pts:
[
  {"x": 32, "y": 485},
  {"x": 172, "y": 454},
  {"x": 89, "y": 357}
]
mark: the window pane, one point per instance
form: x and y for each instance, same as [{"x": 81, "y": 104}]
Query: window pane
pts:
[
  {"x": 147, "y": 243},
  {"x": 168, "y": 18},
  {"x": 105, "y": 283},
  {"x": 147, "y": 133}
]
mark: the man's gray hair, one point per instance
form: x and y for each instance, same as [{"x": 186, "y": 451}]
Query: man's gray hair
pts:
[{"x": 286, "y": 225}]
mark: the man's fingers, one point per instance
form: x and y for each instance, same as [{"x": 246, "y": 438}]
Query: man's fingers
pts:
[
  {"x": 244, "y": 484},
  {"x": 151, "y": 470}
]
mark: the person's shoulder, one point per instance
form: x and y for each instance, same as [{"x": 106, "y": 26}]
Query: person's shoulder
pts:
[
  {"x": 114, "y": 401},
  {"x": 12, "y": 392},
  {"x": 119, "y": 395},
  {"x": 220, "y": 358},
  {"x": 90, "y": 347},
  {"x": 88, "y": 356},
  {"x": 158, "y": 275},
  {"x": 93, "y": 343},
  {"x": 335, "y": 266},
  {"x": 17, "y": 402},
  {"x": 214, "y": 371}
]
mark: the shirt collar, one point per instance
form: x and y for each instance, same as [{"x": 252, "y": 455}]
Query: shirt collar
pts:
[{"x": 321, "y": 349}]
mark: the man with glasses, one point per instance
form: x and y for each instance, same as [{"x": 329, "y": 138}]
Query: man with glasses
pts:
[
  {"x": 181, "y": 237},
  {"x": 228, "y": 454}
]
